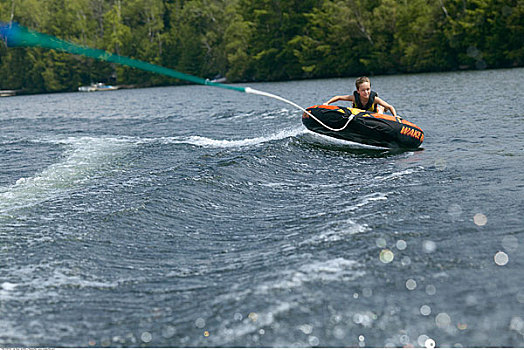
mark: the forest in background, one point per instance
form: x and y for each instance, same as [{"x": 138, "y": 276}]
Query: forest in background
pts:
[{"x": 260, "y": 40}]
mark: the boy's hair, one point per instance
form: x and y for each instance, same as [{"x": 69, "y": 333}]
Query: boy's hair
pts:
[{"x": 361, "y": 80}]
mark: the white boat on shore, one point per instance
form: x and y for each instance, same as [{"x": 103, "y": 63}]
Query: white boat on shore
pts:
[
  {"x": 97, "y": 87},
  {"x": 7, "y": 93}
]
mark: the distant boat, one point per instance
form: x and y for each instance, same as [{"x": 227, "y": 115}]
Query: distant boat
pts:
[
  {"x": 97, "y": 87},
  {"x": 7, "y": 93},
  {"x": 219, "y": 79}
]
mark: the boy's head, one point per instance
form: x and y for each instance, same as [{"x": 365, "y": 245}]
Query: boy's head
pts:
[
  {"x": 361, "y": 81},
  {"x": 363, "y": 87}
]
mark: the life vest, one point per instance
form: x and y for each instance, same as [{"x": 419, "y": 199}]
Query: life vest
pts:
[{"x": 370, "y": 106}]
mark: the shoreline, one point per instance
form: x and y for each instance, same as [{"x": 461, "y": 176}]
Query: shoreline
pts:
[{"x": 21, "y": 92}]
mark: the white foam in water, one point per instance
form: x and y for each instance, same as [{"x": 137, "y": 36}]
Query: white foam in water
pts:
[
  {"x": 254, "y": 322},
  {"x": 331, "y": 141},
  {"x": 365, "y": 200},
  {"x": 42, "y": 281},
  {"x": 8, "y": 286},
  {"x": 64, "y": 277},
  {"x": 212, "y": 143},
  {"x": 399, "y": 174},
  {"x": 340, "y": 228},
  {"x": 81, "y": 162},
  {"x": 5, "y": 290},
  {"x": 335, "y": 270},
  {"x": 337, "y": 231}
]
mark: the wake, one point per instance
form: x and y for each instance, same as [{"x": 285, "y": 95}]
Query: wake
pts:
[
  {"x": 81, "y": 163},
  {"x": 207, "y": 142}
]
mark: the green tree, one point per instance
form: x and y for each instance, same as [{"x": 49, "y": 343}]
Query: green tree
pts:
[
  {"x": 275, "y": 24},
  {"x": 261, "y": 40},
  {"x": 197, "y": 29},
  {"x": 419, "y": 42},
  {"x": 237, "y": 38}
]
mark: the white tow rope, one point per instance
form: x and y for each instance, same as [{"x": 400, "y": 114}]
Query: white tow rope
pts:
[{"x": 267, "y": 94}]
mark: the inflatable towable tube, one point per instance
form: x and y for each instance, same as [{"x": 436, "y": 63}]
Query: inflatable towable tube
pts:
[{"x": 374, "y": 129}]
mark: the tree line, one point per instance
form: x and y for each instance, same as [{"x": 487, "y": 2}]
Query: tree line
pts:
[{"x": 262, "y": 40}]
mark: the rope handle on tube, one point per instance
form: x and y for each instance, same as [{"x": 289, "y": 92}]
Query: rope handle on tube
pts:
[{"x": 267, "y": 94}]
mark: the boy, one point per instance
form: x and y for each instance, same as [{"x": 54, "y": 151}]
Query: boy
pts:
[{"x": 365, "y": 99}]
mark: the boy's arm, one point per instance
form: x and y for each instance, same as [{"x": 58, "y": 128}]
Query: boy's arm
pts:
[
  {"x": 340, "y": 98},
  {"x": 386, "y": 105}
]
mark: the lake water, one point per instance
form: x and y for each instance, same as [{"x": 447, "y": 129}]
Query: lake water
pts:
[{"x": 194, "y": 216}]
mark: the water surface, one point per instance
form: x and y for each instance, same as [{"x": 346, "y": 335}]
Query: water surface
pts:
[{"x": 195, "y": 216}]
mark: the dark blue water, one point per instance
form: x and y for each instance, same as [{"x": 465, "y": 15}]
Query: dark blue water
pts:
[{"x": 195, "y": 216}]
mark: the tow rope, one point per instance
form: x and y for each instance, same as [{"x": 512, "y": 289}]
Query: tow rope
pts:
[{"x": 15, "y": 35}]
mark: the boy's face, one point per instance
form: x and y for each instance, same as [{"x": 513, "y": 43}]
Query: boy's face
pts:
[{"x": 364, "y": 90}]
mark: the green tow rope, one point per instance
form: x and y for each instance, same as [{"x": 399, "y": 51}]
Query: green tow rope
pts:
[
  {"x": 14, "y": 35},
  {"x": 17, "y": 35}
]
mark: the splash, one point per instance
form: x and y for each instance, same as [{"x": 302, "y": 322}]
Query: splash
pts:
[
  {"x": 82, "y": 162},
  {"x": 213, "y": 143}
]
